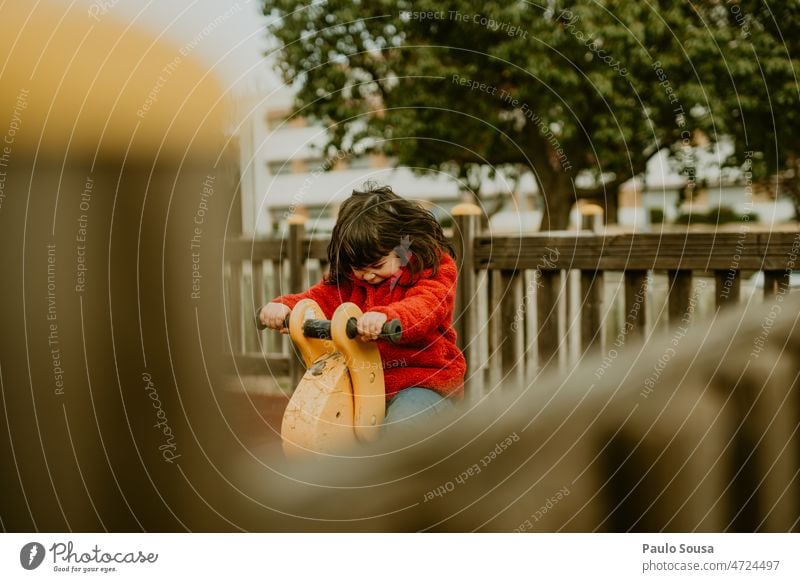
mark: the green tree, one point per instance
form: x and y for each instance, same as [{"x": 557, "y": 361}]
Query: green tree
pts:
[
  {"x": 581, "y": 94},
  {"x": 760, "y": 111}
]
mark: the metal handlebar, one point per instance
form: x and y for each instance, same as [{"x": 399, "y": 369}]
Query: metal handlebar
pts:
[{"x": 321, "y": 328}]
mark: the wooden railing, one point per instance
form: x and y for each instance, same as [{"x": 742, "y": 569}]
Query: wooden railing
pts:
[{"x": 528, "y": 302}]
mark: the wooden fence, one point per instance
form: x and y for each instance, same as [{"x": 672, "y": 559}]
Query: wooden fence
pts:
[{"x": 526, "y": 302}]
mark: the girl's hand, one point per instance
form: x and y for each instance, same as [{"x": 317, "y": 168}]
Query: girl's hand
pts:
[
  {"x": 370, "y": 325},
  {"x": 273, "y": 315}
]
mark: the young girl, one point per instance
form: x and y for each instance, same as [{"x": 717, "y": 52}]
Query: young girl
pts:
[{"x": 389, "y": 256}]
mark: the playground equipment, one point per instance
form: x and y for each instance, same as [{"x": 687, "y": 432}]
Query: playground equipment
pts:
[{"x": 340, "y": 400}]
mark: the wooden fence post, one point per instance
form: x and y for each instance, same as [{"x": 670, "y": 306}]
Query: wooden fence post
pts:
[
  {"x": 635, "y": 321},
  {"x": 547, "y": 314},
  {"x": 275, "y": 341},
  {"x": 680, "y": 293},
  {"x": 235, "y": 329},
  {"x": 257, "y": 284},
  {"x": 296, "y": 266},
  {"x": 466, "y": 226},
  {"x": 727, "y": 287},
  {"x": 591, "y": 297},
  {"x": 775, "y": 282},
  {"x": 591, "y": 309},
  {"x": 513, "y": 316}
]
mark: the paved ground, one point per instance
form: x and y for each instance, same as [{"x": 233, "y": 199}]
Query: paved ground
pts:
[{"x": 254, "y": 408}]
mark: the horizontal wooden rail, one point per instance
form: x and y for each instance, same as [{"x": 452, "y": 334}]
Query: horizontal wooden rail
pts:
[
  {"x": 272, "y": 249},
  {"x": 704, "y": 251},
  {"x": 585, "y": 250}
]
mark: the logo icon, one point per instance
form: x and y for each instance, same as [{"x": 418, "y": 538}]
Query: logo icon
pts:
[
  {"x": 31, "y": 555},
  {"x": 404, "y": 253}
]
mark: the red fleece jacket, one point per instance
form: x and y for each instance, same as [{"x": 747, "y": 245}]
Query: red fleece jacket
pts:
[{"x": 427, "y": 355}]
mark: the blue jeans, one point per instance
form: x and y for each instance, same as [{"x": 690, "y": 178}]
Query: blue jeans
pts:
[{"x": 412, "y": 409}]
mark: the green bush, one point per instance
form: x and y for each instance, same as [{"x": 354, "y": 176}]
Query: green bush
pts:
[
  {"x": 656, "y": 216},
  {"x": 718, "y": 215}
]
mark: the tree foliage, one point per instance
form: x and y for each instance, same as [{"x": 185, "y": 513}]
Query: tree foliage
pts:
[
  {"x": 582, "y": 94},
  {"x": 760, "y": 93}
]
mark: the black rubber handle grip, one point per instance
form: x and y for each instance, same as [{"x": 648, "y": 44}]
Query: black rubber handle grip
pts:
[{"x": 321, "y": 329}]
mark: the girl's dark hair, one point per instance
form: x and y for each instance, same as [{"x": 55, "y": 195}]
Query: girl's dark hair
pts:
[{"x": 373, "y": 223}]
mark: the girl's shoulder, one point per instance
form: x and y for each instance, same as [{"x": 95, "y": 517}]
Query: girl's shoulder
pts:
[
  {"x": 447, "y": 265},
  {"x": 446, "y": 268},
  {"x": 446, "y": 259}
]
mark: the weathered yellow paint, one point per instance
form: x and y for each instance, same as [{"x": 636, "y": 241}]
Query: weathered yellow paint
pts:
[
  {"x": 310, "y": 348},
  {"x": 366, "y": 373},
  {"x": 319, "y": 417},
  {"x": 341, "y": 398}
]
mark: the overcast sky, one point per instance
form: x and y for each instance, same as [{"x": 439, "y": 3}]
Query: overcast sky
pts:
[{"x": 227, "y": 34}]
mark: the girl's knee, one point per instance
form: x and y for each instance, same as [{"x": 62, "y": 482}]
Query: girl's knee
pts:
[{"x": 414, "y": 408}]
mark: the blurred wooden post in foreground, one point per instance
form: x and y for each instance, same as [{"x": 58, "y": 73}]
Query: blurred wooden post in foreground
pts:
[{"x": 115, "y": 192}]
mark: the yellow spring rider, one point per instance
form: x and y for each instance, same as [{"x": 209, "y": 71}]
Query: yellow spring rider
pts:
[{"x": 341, "y": 400}]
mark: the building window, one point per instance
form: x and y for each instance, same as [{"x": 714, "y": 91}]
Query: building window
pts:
[{"x": 279, "y": 168}]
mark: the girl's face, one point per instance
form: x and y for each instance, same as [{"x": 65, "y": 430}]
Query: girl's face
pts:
[{"x": 379, "y": 271}]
